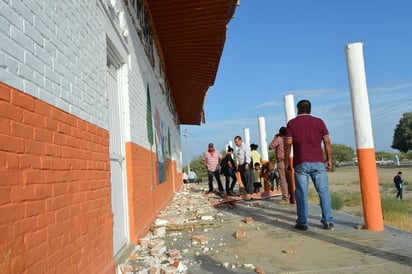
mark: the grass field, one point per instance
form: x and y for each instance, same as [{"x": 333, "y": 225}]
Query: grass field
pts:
[{"x": 346, "y": 196}]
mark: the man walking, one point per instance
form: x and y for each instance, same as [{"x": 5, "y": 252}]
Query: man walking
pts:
[
  {"x": 211, "y": 159},
  {"x": 398, "y": 184},
  {"x": 306, "y": 133}
]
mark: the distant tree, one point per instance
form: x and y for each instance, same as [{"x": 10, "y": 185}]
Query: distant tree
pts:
[
  {"x": 272, "y": 155},
  {"x": 383, "y": 154},
  {"x": 197, "y": 166},
  {"x": 341, "y": 153},
  {"x": 402, "y": 137}
]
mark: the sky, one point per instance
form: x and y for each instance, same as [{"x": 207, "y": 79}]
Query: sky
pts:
[{"x": 274, "y": 48}]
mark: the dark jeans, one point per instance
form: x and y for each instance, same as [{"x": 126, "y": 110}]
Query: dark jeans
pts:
[
  {"x": 230, "y": 173},
  {"x": 216, "y": 174},
  {"x": 247, "y": 178},
  {"x": 399, "y": 194}
]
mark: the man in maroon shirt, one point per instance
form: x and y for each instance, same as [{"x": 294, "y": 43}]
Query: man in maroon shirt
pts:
[{"x": 306, "y": 133}]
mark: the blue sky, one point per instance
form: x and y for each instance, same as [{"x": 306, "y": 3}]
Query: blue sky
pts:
[{"x": 274, "y": 48}]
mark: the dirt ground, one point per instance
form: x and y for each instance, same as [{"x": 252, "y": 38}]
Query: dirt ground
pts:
[
  {"x": 347, "y": 179},
  {"x": 269, "y": 242}
]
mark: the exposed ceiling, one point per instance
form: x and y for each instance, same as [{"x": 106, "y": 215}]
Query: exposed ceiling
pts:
[{"x": 191, "y": 36}]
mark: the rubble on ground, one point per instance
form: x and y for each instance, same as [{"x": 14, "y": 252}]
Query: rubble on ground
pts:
[{"x": 181, "y": 229}]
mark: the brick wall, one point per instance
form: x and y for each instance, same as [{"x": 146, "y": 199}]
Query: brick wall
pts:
[
  {"x": 146, "y": 197},
  {"x": 56, "y": 51},
  {"x": 55, "y": 204},
  {"x": 55, "y": 160}
]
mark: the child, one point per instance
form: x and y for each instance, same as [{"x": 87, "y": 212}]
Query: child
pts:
[
  {"x": 269, "y": 174},
  {"x": 256, "y": 178}
]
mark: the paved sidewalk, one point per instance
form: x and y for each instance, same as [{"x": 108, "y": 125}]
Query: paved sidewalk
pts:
[{"x": 258, "y": 236}]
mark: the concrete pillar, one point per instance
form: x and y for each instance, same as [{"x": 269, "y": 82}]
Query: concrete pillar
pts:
[
  {"x": 262, "y": 135},
  {"x": 289, "y": 103},
  {"x": 229, "y": 144},
  {"x": 246, "y": 134},
  {"x": 368, "y": 176}
]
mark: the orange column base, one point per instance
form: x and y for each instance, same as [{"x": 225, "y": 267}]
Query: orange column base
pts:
[{"x": 369, "y": 185}]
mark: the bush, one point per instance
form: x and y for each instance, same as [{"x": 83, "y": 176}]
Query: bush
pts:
[{"x": 337, "y": 201}]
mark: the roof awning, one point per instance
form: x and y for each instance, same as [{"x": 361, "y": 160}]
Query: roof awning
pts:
[{"x": 191, "y": 34}]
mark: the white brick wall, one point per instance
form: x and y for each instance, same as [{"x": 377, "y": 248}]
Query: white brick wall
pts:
[
  {"x": 41, "y": 44},
  {"x": 56, "y": 51}
]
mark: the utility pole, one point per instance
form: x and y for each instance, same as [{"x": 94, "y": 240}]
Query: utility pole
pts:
[{"x": 186, "y": 134}]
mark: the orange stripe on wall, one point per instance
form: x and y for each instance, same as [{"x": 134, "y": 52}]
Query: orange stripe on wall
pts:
[
  {"x": 369, "y": 184},
  {"x": 55, "y": 196},
  {"x": 146, "y": 198}
]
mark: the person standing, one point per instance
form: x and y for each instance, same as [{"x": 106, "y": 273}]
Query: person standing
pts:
[
  {"x": 244, "y": 162},
  {"x": 211, "y": 160},
  {"x": 277, "y": 144},
  {"x": 306, "y": 133},
  {"x": 255, "y": 154},
  {"x": 256, "y": 178},
  {"x": 185, "y": 178},
  {"x": 192, "y": 176},
  {"x": 398, "y": 184},
  {"x": 228, "y": 169}
]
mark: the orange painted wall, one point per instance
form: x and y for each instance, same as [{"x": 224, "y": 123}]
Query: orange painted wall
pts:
[
  {"x": 55, "y": 204},
  {"x": 147, "y": 198}
]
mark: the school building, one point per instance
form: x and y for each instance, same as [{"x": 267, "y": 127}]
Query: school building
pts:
[{"x": 92, "y": 96}]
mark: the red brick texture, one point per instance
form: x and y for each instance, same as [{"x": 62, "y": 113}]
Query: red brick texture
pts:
[
  {"x": 55, "y": 203},
  {"x": 146, "y": 198}
]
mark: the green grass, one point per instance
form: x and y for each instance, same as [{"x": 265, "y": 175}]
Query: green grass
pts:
[
  {"x": 337, "y": 201},
  {"x": 396, "y": 213}
]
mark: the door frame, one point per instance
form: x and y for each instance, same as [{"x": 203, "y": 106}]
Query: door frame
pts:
[{"x": 119, "y": 64}]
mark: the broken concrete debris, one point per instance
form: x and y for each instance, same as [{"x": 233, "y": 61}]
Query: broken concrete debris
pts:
[{"x": 182, "y": 229}]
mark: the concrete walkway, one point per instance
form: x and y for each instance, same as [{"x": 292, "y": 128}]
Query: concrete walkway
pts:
[{"x": 270, "y": 244}]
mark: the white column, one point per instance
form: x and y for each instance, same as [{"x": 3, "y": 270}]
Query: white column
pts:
[
  {"x": 368, "y": 175},
  {"x": 262, "y": 134},
  {"x": 289, "y": 107},
  {"x": 289, "y": 102},
  {"x": 246, "y": 132},
  {"x": 359, "y": 96}
]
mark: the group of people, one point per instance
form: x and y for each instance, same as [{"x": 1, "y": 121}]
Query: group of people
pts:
[
  {"x": 306, "y": 134},
  {"x": 216, "y": 165},
  {"x": 311, "y": 160}
]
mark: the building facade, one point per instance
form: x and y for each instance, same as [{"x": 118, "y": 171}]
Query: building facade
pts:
[{"x": 90, "y": 147}]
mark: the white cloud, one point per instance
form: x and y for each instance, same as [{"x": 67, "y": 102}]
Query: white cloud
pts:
[
  {"x": 268, "y": 104},
  {"x": 313, "y": 93},
  {"x": 391, "y": 88}
]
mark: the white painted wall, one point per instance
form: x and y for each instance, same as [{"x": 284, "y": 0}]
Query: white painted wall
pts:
[{"x": 56, "y": 51}]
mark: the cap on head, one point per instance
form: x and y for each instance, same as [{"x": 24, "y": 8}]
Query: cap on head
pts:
[{"x": 210, "y": 145}]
